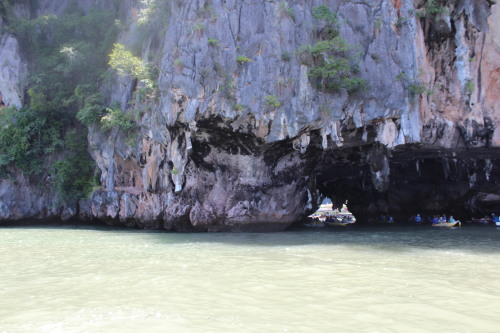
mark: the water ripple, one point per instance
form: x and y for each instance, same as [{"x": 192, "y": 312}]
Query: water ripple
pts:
[{"x": 399, "y": 280}]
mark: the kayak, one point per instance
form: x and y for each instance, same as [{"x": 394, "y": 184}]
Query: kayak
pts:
[
  {"x": 448, "y": 224},
  {"x": 483, "y": 220}
]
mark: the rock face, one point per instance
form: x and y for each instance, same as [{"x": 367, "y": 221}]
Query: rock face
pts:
[
  {"x": 20, "y": 199},
  {"x": 213, "y": 152},
  {"x": 12, "y": 73}
]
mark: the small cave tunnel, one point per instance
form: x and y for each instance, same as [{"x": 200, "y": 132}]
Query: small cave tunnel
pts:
[{"x": 411, "y": 180}]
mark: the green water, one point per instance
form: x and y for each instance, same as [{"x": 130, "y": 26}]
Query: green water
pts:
[{"x": 389, "y": 279}]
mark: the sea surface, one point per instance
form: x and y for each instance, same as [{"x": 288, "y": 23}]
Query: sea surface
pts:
[{"x": 385, "y": 279}]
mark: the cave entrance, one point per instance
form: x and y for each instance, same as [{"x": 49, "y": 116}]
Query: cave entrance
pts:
[{"x": 391, "y": 186}]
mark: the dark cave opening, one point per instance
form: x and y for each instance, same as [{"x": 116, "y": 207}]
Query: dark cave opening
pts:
[{"x": 415, "y": 180}]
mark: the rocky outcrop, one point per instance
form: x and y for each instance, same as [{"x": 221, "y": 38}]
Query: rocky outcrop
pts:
[
  {"x": 214, "y": 152},
  {"x": 21, "y": 199},
  {"x": 13, "y": 72}
]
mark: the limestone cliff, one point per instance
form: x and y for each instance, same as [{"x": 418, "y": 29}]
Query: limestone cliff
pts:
[{"x": 241, "y": 136}]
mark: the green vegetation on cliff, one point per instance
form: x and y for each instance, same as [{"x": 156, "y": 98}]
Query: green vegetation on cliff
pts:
[
  {"x": 68, "y": 59},
  {"x": 333, "y": 62},
  {"x": 126, "y": 64},
  {"x": 433, "y": 8}
]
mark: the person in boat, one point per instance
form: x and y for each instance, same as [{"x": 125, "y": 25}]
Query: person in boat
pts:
[
  {"x": 496, "y": 220},
  {"x": 391, "y": 219},
  {"x": 435, "y": 220},
  {"x": 451, "y": 220},
  {"x": 418, "y": 219}
]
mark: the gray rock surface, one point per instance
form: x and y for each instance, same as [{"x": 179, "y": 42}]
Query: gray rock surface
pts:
[
  {"x": 13, "y": 72},
  {"x": 22, "y": 200}
]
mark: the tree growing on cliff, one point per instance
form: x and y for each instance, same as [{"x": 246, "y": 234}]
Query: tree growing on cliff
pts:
[
  {"x": 115, "y": 117},
  {"x": 333, "y": 62},
  {"x": 336, "y": 66},
  {"x": 126, "y": 64}
]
